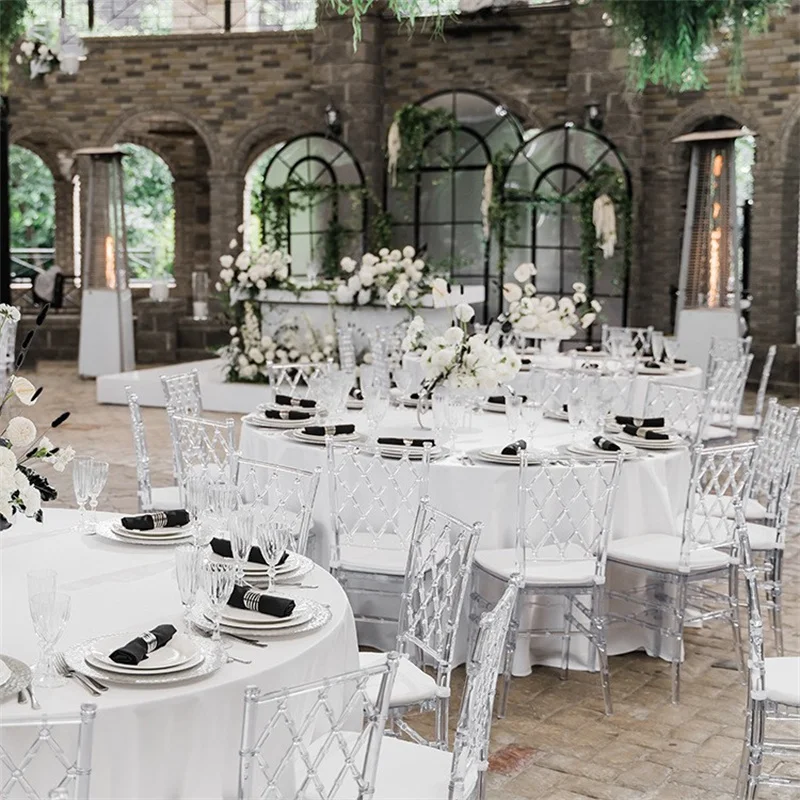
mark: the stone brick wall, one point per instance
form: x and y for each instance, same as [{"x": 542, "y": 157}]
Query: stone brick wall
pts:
[{"x": 210, "y": 104}]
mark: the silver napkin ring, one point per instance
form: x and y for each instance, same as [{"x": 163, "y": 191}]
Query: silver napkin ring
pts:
[
  {"x": 150, "y": 640},
  {"x": 251, "y": 599}
]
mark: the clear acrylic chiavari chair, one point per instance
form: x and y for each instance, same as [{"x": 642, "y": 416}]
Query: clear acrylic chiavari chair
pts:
[
  {"x": 638, "y": 338},
  {"x": 202, "y": 448},
  {"x": 685, "y": 409},
  {"x": 160, "y": 498},
  {"x": 409, "y": 770},
  {"x": 729, "y": 349},
  {"x": 182, "y": 393},
  {"x": 20, "y": 772},
  {"x": 753, "y": 421},
  {"x": 691, "y": 577},
  {"x": 726, "y": 381},
  {"x": 564, "y": 509},
  {"x": 300, "y": 743},
  {"x": 438, "y": 573},
  {"x": 347, "y": 348},
  {"x": 285, "y": 495},
  {"x": 373, "y": 502},
  {"x": 294, "y": 380},
  {"x": 773, "y": 697}
]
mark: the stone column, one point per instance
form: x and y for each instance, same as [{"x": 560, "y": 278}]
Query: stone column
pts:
[
  {"x": 64, "y": 243},
  {"x": 226, "y": 201}
]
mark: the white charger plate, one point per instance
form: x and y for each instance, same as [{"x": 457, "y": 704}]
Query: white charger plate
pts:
[
  {"x": 643, "y": 370},
  {"x": 300, "y": 436},
  {"x": 255, "y": 619},
  {"x": 179, "y": 651},
  {"x": 650, "y": 444},
  {"x": 139, "y": 669},
  {"x": 259, "y": 421},
  {"x": 496, "y": 408},
  {"x": 414, "y": 453},
  {"x": 355, "y": 405},
  {"x": 5, "y": 673},
  {"x": 591, "y": 451},
  {"x": 156, "y": 533},
  {"x": 493, "y": 455},
  {"x": 563, "y": 416},
  {"x": 321, "y": 615},
  {"x": 104, "y": 531}
]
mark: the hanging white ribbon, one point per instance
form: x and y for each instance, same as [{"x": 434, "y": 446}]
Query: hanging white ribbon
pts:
[
  {"x": 393, "y": 145},
  {"x": 605, "y": 224},
  {"x": 486, "y": 198}
]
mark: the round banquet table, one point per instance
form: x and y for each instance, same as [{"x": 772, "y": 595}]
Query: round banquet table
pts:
[
  {"x": 689, "y": 376},
  {"x": 651, "y": 494},
  {"x": 177, "y": 741}
]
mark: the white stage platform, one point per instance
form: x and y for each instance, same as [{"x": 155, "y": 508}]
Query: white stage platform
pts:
[{"x": 240, "y": 398}]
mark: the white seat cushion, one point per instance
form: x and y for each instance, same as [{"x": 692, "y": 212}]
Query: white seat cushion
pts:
[
  {"x": 166, "y": 498},
  {"x": 783, "y": 680},
  {"x": 661, "y": 551},
  {"x": 411, "y": 685},
  {"x": 361, "y": 553},
  {"x": 548, "y": 570},
  {"x": 762, "y": 537},
  {"x": 716, "y": 432},
  {"x": 753, "y": 510},
  {"x": 746, "y": 422}
]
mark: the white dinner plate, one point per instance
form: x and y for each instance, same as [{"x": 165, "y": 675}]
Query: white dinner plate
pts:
[
  {"x": 255, "y": 619},
  {"x": 414, "y": 453},
  {"x": 291, "y": 564},
  {"x": 557, "y": 414},
  {"x": 497, "y": 408},
  {"x": 105, "y": 532},
  {"x": 5, "y": 673},
  {"x": 650, "y": 444},
  {"x": 409, "y": 402},
  {"x": 300, "y": 436},
  {"x": 179, "y": 652},
  {"x": 590, "y": 450},
  {"x": 493, "y": 455},
  {"x": 643, "y": 370},
  {"x": 258, "y": 629},
  {"x": 260, "y": 421},
  {"x": 139, "y": 669},
  {"x": 355, "y": 405},
  {"x": 161, "y": 533}
]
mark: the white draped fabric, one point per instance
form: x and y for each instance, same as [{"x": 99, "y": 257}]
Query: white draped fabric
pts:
[{"x": 179, "y": 741}]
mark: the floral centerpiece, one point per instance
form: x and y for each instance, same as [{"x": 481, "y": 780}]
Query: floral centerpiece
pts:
[
  {"x": 546, "y": 317},
  {"x": 394, "y": 277},
  {"x": 22, "y": 488},
  {"x": 252, "y": 271}
]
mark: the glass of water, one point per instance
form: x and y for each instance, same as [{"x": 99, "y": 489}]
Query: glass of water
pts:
[{"x": 81, "y": 473}]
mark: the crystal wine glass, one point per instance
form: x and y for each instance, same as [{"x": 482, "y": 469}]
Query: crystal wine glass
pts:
[
  {"x": 671, "y": 349},
  {"x": 532, "y": 414},
  {"x": 49, "y": 612},
  {"x": 81, "y": 470},
  {"x": 188, "y": 559},
  {"x": 98, "y": 475},
  {"x": 273, "y": 539},
  {"x": 196, "y": 495},
  {"x": 513, "y": 413},
  {"x": 657, "y": 345},
  {"x": 218, "y": 582},
  {"x": 223, "y": 500},
  {"x": 576, "y": 410},
  {"x": 376, "y": 402},
  {"x": 444, "y": 426},
  {"x": 242, "y": 525}
]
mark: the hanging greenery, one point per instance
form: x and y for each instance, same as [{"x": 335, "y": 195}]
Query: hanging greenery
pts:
[
  {"x": 669, "y": 42},
  {"x": 12, "y": 18}
]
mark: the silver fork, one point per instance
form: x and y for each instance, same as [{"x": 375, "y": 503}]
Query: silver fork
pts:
[{"x": 92, "y": 685}]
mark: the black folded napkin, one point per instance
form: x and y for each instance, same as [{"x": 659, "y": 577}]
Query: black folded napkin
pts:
[
  {"x": 328, "y": 430},
  {"x": 399, "y": 442},
  {"x": 276, "y": 413},
  {"x": 515, "y": 448},
  {"x": 590, "y": 365},
  {"x": 500, "y": 399},
  {"x": 565, "y": 408},
  {"x": 644, "y": 433},
  {"x": 525, "y": 361},
  {"x": 245, "y": 597},
  {"x": 652, "y": 365},
  {"x": 414, "y": 396},
  {"x": 606, "y": 444},
  {"x": 297, "y": 402},
  {"x": 678, "y": 360},
  {"x": 137, "y": 649},
  {"x": 156, "y": 519},
  {"x": 640, "y": 422},
  {"x": 222, "y": 547},
  {"x": 356, "y": 393}
]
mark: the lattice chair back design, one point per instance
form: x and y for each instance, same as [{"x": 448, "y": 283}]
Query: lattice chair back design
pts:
[
  {"x": 347, "y": 347},
  {"x": 284, "y": 495},
  {"x": 616, "y": 392},
  {"x": 203, "y": 448},
  {"x": 729, "y": 349},
  {"x": 182, "y": 393},
  {"x": 18, "y": 771},
  {"x": 300, "y": 743},
  {"x": 638, "y": 338},
  {"x": 294, "y": 380},
  {"x": 438, "y": 574},
  {"x": 773, "y": 695},
  {"x": 726, "y": 381},
  {"x": 551, "y": 388},
  {"x": 684, "y": 409},
  {"x": 753, "y": 421}
]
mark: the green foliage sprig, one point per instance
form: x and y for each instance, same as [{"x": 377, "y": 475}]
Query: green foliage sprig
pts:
[
  {"x": 12, "y": 24},
  {"x": 417, "y": 126}
]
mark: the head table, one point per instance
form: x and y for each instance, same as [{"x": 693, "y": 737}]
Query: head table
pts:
[
  {"x": 652, "y": 492},
  {"x": 177, "y": 741}
]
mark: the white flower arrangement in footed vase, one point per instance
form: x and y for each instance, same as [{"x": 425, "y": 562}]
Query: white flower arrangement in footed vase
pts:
[
  {"x": 22, "y": 488},
  {"x": 545, "y": 317}
]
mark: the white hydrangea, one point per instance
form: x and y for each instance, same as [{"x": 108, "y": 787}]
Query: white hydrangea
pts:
[{"x": 20, "y": 431}]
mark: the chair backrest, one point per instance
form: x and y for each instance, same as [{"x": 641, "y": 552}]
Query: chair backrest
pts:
[
  {"x": 300, "y": 743},
  {"x": 762, "y": 386},
  {"x": 777, "y": 440},
  {"x": 720, "y": 478},
  {"x": 285, "y": 495},
  {"x": 726, "y": 381},
  {"x": 182, "y": 392},
  {"x": 437, "y": 577},
  {"x": 639, "y": 338},
  {"x": 374, "y": 499},
  {"x": 294, "y": 380},
  {"x": 145, "y": 487},
  {"x": 729, "y": 349},
  {"x": 471, "y": 745},
  {"x": 202, "y": 447},
  {"x": 684, "y": 408},
  {"x": 564, "y": 508},
  {"x": 616, "y": 392},
  {"x": 18, "y": 771},
  {"x": 551, "y": 387},
  {"x": 347, "y": 348}
]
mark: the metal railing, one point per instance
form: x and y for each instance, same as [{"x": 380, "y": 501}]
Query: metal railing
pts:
[{"x": 29, "y": 261}]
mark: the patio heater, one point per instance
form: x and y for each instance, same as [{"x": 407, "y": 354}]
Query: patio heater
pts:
[
  {"x": 709, "y": 287},
  {"x": 106, "y": 339}
]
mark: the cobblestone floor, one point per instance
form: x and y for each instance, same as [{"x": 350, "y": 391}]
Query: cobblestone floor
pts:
[{"x": 555, "y": 743}]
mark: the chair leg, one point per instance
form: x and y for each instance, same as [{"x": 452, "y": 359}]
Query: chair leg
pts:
[
  {"x": 442, "y": 722},
  {"x": 511, "y": 646},
  {"x": 598, "y": 624},
  {"x": 566, "y": 638},
  {"x": 776, "y": 592},
  {"x": 677, "y": 638},
  {"x": 733, "y": 600},
  {"x": 753, "y": 753}
]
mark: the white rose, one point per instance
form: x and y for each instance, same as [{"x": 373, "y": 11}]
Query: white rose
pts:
[
  {"x": 524, "y": 272},
  {"x": 242, "y": 361},
  {"x": 226, "y": 275},
  {"x": 565, "y": 304},
  {"x": 413, "y": 294},
  {"x": 27, "y": 48},
  {"x": 261, "y": 284},
  {"x": 364, "y": 297},
  {"x": 7, "y": 459},
  {"x": 548, "y": 304},
  {"x": 32, "y": 501},
  {"x": 226, "y": 260},
  {"x": 24, "y": 390},
  {"x": 61, "y": 458},
  {"x": 366, "y": 276},
  {"x": 596, "y": 306},
  {"x": 343, "y": 294},
  {"x": 243, "y": 260},
  {"x": 383, "y": 252},
  {"x": 395, "y": 256},
  {"x": 588, "y": 319},
  {"x": 20, "y": 431},
  {"x": 512, "y": 292},
  {"x": 440, "y": 293},
  {"x": 454, "y": 336},
  {"x": 256, "y": 355},
  {"x": 530, "y": 289},
  {"x": 579, "y": 287},
  {"x": 233, "y": 244},
  {"x": 579, "y": 297},
  {"x": 463, "y": 312},
  {"x": 282, "y": 273},
  {"x": 347, "y": 264},
  {"x": 409, "y": 252},
  {"x": 354, "y": 283}
]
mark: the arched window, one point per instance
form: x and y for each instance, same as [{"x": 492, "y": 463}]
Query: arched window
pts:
[
  {"x": 32, "y": 201},
  {"x": 149, "y": 213},
  {"x": 550, "y": 186},
  {"x": 311, "y": 203},
  {"x": 437, "y": 201}
]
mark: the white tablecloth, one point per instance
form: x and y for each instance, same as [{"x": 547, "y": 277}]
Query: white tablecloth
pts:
[
  {"x": 652, "y": 492},
  {"x": 159, "y": 743}
]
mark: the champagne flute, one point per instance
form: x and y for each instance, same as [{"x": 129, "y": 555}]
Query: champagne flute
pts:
[
  {"x": 195, "y": 494},
  {"x": 218, "y": 582},
  {"x": 273, "y": 539},
  {"x": 513, "y": 413},
  {"x": 81, "y": 469},
  {"x": 188, "y": 559},
  {"x": 444, "y": 426},
  {"x": 242, "y": 525},
  {"x": 657, "y": 345},
  {"x": 671, "y": 349},
  {"x": 49, "y": 613},
  {"x": 532, "y": 414},
  {"x": 98, "y": 475},
  {"x": 576, "y": 410}
]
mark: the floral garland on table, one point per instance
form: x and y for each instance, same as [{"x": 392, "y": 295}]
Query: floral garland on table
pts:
[
  {"x": 546, "y": 317},
  {"x": 22, "y": 489}
]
